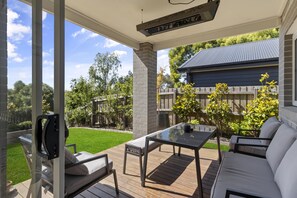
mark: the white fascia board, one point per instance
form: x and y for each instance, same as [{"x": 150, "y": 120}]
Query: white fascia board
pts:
[
  {"x": 90, "y": 24},
  {"x": 220, "y": 33}
]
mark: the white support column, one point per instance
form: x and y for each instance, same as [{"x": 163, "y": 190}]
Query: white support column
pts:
[
  {"x": 59, "y": 86},
  {"x": 144, "y": 90},
  {"x": 3, "y": 96},
  {"x": 36, "y": 92}
]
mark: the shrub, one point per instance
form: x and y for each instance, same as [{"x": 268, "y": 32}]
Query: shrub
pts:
[
  {"x": 186, "y": 104},
  {"x": 265, "y": 105},
  {"x": 218, "y": 110}
]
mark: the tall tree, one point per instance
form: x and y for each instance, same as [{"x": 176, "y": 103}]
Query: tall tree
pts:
[
  {"x": 179, "y": 55},
  {"x": 103, "y": 73},
  {"x": 79, "y": 102}
]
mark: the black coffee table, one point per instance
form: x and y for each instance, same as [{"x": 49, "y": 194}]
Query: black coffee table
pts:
[{"x": 177, "y": 137}]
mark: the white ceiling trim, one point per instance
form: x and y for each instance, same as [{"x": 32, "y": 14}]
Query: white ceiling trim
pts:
[
  {"x": 220, "y": 33},
  {"x": 90, "y": 24}
]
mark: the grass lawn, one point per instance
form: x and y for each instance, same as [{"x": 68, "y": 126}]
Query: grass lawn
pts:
[{"x": 89, "y": 140}]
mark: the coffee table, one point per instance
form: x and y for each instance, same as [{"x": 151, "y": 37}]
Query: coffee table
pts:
[{"x": 177, "y": 137}]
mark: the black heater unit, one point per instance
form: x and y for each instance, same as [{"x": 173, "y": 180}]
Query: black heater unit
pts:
[
  {"x": 47, "y": 136},
  {"x": 199, "y": 14}
]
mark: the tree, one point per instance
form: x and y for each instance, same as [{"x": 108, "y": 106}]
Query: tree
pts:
[
  {"x": 103, "y": 73},
  {"x": 19, "y": 103},
  {"x": 179, "y": 55},
  {"x": 186, "y": 105},
  {"x": 79, "y": 102},
  {"x": 218, "y": 110},
  {"x": 120, "y": 101},
  {"x": 264, "y": 106}
]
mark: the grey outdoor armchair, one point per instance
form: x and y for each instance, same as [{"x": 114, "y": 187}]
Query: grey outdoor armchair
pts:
[
  {"x": 82, "y": 169},
  {"x": 258, "y": 144}
]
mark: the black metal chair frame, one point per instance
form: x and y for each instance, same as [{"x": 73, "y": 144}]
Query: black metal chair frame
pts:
[{"x": 237, "y": 145}]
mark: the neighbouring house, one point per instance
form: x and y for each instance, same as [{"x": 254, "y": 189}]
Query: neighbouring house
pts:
[{"x": 236, "y": 65}]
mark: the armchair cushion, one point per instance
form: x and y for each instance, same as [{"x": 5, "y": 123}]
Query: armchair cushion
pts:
[
  {"x": 283, "y": 139},
  {"x": 86, "y": 168},
  {"x": 269, "y": 128},
  {"x": 69, "y": 157},
  {"x": 286, "y": 174}
]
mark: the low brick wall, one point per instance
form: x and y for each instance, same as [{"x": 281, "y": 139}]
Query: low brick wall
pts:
[{"x": 12, "y": 137}]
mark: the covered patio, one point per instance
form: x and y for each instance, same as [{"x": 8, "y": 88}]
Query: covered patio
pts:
[{"x": 117, "y": 20}]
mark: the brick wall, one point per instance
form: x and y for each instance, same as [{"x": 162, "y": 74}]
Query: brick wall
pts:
[
  {"x": 288, "y": 112},
  {"x": 3, "y": 94},
  {"x": 144, "y": 90}
]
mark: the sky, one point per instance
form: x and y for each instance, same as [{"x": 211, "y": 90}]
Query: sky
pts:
[{"x": 81, "y": 46}]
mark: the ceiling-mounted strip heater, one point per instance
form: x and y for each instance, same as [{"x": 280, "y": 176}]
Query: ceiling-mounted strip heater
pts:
[{"x": 199, "y": 14}]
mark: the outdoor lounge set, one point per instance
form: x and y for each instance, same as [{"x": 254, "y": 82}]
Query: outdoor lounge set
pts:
[{"x": 255, "y": 167}]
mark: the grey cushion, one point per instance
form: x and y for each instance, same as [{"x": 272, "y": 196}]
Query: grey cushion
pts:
[
  {"x": 69, "y": 157},
  {"x": 283, "y": 139},
  {"x": 86, "y": 168},
  {"x": 75, "y": 182},
  {"x": 248, "y": 149},
  {"x": 140, "y": 143},
  {"x": 286, "y": 174},
  {"x": 245, "y": 174},
  {"x": 269, "y": 128}
]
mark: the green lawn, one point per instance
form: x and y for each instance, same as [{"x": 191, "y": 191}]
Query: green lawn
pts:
[{"x": 89, "y": 140}]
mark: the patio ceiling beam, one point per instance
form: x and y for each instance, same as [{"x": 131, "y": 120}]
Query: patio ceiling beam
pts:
[
  {"x": 90, "y": 24},
  {"x": 59, "y": 91},
  {"x": 220, "y": 33},
  {"x": 3, "y": 96},
  {"x": 36, "y": 92}
]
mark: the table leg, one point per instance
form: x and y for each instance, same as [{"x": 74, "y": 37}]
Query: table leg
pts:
[
  {"x": 198, "y": 172},
  {"x": 219, "y": 146},
  {"x": 143, "y": 176}
]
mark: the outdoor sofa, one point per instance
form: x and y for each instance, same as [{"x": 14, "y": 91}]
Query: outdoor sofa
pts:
[
  {"x": 275, "y": 176},
  {"x": 261, "y": 138}
]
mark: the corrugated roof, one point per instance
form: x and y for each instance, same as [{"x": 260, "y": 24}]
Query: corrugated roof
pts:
[{"x": 235, "y": 54}]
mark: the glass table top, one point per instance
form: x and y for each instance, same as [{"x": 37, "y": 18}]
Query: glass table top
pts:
[{"x": 177, "y": 136}]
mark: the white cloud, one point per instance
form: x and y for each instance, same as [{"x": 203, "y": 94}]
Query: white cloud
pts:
[
  {"x": 48, "y": 63},
  {"x": 87, "y": 34},
  {"x": 15, "y": 30},
  {"x": 163, "y": 60},
  {"x": 110, "y": 43},
  {"x": 29, "y": 42},
  {"x": 44, "y": 15},
  {"x": 45, "y": 54},
  {"x": 12, "y": 54},
  {"x": 120, "y": 53},
  {"x": 78, "y": 66}
]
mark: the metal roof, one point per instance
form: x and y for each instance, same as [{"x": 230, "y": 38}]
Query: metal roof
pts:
[{"x": 259, "y": 51}]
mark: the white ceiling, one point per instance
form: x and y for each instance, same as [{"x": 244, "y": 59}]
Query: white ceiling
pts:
[{"x": 117, "y": 19}]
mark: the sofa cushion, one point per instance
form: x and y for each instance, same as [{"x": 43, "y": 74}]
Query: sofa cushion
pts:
[
  {"x": 283, "y": 139},
  {"x": 245, "y": 174},
  {"x": 286, "y": 174},
  {"x": 86, "y": 168},
  {"x": 269, "y": 128}
]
